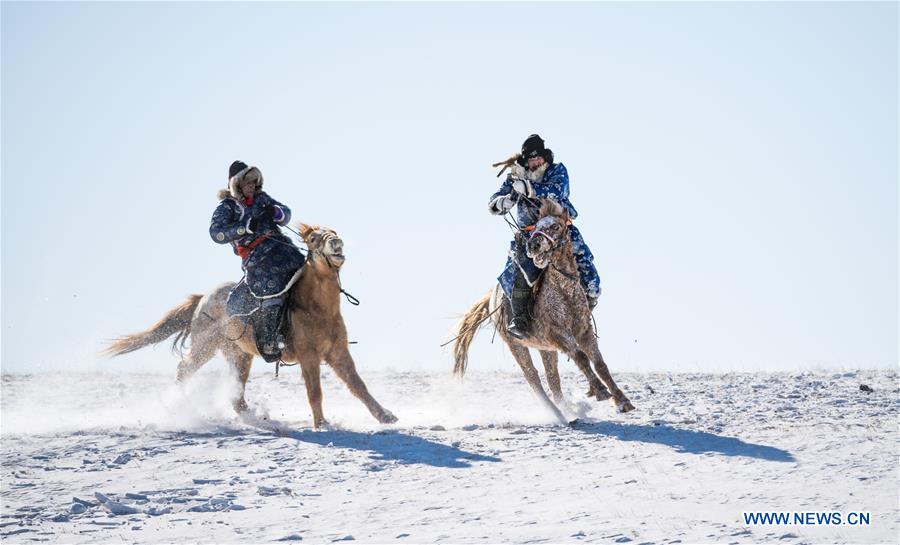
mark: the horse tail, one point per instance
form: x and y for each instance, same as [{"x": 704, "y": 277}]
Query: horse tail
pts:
[
  {"x": 177, "y": 320},
  {"x": 466, "y": 329}
]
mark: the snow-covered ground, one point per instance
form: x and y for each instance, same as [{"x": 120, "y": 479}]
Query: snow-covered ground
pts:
[{"x": 133, "y": 458}]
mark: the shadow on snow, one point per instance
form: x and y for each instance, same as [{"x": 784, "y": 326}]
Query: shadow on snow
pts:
[
  {"x": 393, "y": 445},
  {"x": 687, "y": 441}
]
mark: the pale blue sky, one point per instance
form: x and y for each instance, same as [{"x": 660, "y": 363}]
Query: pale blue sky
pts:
[{"x": 735, "y": 166}]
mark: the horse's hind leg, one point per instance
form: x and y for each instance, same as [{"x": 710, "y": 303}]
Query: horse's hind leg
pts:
[
  {"x": 241, "y": 362},
  {"x": 201, "y": 351},
  {"x": 523, "y": 358},
  {"x": 550, "y": 359},
  {"x": 204, "y": 343},
  {"x": 619, "y": 398}
]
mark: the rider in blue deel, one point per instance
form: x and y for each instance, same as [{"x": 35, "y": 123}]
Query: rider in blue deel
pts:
[
  {"x": 248, "y": 219},
  {"x": 534, "y": 176}
]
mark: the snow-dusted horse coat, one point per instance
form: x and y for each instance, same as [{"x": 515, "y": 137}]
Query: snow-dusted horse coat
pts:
[
  {"x": 269, "y": 259},
  {"x": 550, "y": 181}
]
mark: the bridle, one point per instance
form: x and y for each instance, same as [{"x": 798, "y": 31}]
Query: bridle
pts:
[
  {"x": 554, "y": 241},
  {"x": 327, "y": 237},
  {"x": 535, "y": 231}
]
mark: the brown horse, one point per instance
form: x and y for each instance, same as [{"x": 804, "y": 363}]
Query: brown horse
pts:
[
  {"x": 316, "y": 334},
  {"x": 561, "y": 318}
]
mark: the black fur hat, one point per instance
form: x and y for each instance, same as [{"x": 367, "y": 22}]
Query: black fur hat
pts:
[
  {"x": 237, "y": 173},
  {"x": 533, "y": 146},
  {"x": 235, "y": 168}
]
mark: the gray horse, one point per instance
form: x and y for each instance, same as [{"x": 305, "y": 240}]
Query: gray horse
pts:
[{"x": 561, "y": 318}]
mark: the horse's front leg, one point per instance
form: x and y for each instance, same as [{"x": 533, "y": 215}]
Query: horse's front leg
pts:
[
  {"x": 569, "y": 346},
  {"x": 309, "y": 366},
  {"x": 596, "y": 389},
  {"x": 342, "y": 365},
  {"x": 618, "y": 397}
]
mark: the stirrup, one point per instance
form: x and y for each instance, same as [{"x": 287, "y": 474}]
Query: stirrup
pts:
[
  {"x": 271, "y": 349},
  {"x": 270, "y": 356},
  {"x": 518, "y": 327}
]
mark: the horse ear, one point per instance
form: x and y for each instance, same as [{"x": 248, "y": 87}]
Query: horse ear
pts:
[{"x": 305, "y": 230}]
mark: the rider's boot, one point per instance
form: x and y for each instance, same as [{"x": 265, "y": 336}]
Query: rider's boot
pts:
[
  {"x": 266, "y": 327},
  {"x": 520, "y": 322}
]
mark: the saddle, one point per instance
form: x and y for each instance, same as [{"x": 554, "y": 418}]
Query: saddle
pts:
[{"x": 269, "y": 318}]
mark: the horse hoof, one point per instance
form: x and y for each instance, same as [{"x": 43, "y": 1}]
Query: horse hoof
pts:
[
  {"x": 241, "y": 407},
  {"x": 574, "y": 423},
  {"x": 625, "y": 406},
  {"x": 320, "y": 424},
  {"x": 600, "y": 395},
  {"x": 387, "y": 418}
]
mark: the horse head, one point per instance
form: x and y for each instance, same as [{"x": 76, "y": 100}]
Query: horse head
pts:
[
  {"x": 325, "y": 246},
  {"x": 550, "y": 233}
]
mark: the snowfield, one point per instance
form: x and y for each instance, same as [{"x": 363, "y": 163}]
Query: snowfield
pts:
[{"x": 99, "y": 458}]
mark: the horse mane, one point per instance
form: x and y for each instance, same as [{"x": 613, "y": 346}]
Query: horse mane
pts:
[
  {"x": 306, "y": 230},
  {"x": 549, "y": 207}
]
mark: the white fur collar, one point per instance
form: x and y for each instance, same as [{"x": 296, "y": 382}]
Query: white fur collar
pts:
[
  {"x": 234, "y": 184},
  {"x": 533, "y": 176}
]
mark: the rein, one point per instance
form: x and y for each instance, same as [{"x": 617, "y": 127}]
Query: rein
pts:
[{"x": 350, "y": 299}]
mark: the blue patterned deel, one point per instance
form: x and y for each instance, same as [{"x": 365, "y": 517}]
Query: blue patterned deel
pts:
[
  {"x": 270, "y": 259},
  {"x": 554, "y": 185}
]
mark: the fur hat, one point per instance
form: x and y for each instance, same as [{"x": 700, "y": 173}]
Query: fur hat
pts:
[
  {"x": 237, "y": 173},
  {"x": 533, "y": 146},
  {"x": 235, "y": 168}
]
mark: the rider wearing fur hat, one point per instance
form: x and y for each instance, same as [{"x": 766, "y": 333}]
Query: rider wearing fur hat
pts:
[
  {"x": 534, "y": 175},
  {"x": 248, "y": 219}
]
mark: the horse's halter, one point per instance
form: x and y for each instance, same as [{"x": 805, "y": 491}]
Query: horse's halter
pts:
[{"x": 554, "y": 241}]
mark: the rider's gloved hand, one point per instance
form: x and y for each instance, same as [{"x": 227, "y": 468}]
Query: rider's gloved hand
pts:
[
  {"x": 260, "y": 214},
  {"x": 502, "y": 204},
  {"x": 261, "y": 210},
  {"x": 277, "y": 214},
  {"x": 523, "y": 187}
]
